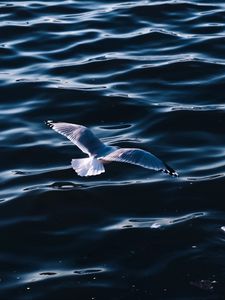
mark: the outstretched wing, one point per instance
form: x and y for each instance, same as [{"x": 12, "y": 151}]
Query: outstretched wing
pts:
[
  {"x": 80, "y": 135},
  {"x": 139, "y": 157}
]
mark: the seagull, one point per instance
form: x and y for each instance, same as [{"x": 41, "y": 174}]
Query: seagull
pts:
[{"x": 100, "y": 153}]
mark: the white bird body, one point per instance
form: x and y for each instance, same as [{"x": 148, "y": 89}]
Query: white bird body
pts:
[{"x": 99, "y": 153}]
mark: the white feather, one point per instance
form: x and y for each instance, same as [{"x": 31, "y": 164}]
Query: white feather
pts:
[
  {"x": 87, "y": 166},
  {"x": 84, "y": 139}
]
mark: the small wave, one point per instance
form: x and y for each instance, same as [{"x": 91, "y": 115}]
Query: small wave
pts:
[
  {"x": 154, "y": 223},
  {"x": 51, "y": 274},
  {"x": 60, "y": 186},
  {"x": 188, "y": 107}
]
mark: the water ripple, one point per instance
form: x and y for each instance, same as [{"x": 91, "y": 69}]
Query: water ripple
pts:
[
  {"x": 146, "y": 74},
  {"x": 52, "y": 274},
  {"x": 154, "y": 223}
]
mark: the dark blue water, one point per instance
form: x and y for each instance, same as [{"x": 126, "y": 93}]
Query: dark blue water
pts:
[{"x": 146, "y": 74}]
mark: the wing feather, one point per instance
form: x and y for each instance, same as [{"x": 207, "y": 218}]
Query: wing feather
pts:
[
  {"x": 141, "y": 158},
  {"x": 80, "y": 135}
]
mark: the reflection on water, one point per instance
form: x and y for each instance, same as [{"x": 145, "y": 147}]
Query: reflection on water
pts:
[{"x": 154, "y": 222}]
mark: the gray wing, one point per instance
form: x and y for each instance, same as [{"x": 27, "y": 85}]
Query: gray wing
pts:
[
  {"x": 80, "y": 135},
  {"x": 139, "y": 157}
]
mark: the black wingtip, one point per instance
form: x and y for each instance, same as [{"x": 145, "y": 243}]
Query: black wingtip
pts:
[
  {"x": 49, "y": 123},
  {"x": 170, "y": 171}
]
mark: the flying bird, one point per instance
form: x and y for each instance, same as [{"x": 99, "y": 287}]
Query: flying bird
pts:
[{"x": 99, "y": 153}]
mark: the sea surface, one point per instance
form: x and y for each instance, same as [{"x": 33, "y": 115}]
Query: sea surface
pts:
[{"x": 147, "y": 74}]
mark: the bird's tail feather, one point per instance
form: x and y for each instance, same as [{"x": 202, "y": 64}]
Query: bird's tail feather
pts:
[{"x": 87, "y": 166}]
